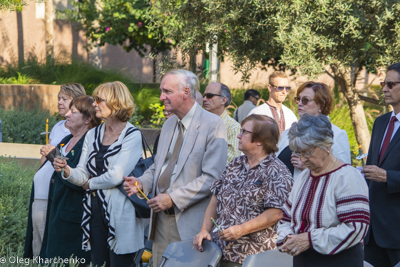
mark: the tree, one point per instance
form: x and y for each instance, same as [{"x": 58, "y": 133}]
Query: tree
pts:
[
  {"x": 340, "y": 38},
  {"x": 119, "y": 22},
  {"x": 314, "y": 37}
]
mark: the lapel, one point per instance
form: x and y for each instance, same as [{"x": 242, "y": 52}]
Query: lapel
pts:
[
  {"x": 168, "y": 134},
  {"x": 190, "y": 140},
  {"x": 392, "y": 143},
  {"x": 380, "y": 134}
]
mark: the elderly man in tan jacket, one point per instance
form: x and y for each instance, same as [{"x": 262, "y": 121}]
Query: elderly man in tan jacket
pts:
[{"x": 191, "y": 155}]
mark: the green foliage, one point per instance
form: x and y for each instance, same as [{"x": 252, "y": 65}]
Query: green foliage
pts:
[
  {"x": 123, "y": 22},
  {"x": 136, "y": 117},
  {"x": 12, "y": 5},
  {"x": 15, "y": 187},
  {"x": 306, "y": 35},
  {"x": 21, "y": 79},
  {"x": 24, "y": 126},
  {"x": 145, "y": 97},
  {"x": 64, "y": 71},
  {"x": 158, "y": 118}
]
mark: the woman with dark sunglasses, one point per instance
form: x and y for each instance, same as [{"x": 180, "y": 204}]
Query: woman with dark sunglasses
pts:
[{"x": 314, "y": 98}]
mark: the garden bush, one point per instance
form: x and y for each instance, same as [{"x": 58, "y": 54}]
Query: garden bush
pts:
[
  {"x": 15, "y": 188},
  {"x": 21, "y": 125}
]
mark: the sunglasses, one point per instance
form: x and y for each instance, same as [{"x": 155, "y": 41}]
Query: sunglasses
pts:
[
  {"x": 210, "y": 95},
  {"x": 280, "y": 88},
  {"x": 98, "y": 100},
  {"x": 307, "y": 154},
  {"x": 389, "y": 84},
  {"x": 303, "y": 100}
]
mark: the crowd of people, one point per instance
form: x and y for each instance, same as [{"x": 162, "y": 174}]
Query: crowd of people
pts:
[{"x": 259, "y": 181}]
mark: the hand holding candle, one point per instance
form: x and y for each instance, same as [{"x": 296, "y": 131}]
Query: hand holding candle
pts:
[{"x": 141, "y": 192}]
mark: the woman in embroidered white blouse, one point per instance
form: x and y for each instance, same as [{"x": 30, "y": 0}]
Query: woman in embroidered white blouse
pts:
[
  {"x": 110, "y": 151},
  {"x": 326, "y": 215}
]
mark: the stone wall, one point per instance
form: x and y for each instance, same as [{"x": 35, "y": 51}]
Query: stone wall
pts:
[{"x": 45, "y": 96}]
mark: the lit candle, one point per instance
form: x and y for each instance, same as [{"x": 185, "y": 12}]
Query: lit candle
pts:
[
  {"x": 216, "y": 225},
  {"x": 61, "y": 152},
  {"x": 47, "y": 130},
  {"x": 141, "y": 192}
]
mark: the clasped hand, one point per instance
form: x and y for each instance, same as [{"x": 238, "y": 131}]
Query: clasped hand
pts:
[{"x": 296, "y": 244}]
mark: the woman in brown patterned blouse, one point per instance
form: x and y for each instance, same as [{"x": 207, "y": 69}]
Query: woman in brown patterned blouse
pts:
[{"x": 248, "y": 197}]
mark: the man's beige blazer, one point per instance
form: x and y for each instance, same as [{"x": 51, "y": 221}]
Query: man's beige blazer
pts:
[{"x": 201, "y": 161}]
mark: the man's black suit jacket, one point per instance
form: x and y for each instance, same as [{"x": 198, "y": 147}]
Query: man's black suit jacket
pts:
[{"x": 385, "y": 197}]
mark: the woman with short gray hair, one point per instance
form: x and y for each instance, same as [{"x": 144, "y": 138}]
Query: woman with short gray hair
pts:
[{"x": 326, "y": 215}]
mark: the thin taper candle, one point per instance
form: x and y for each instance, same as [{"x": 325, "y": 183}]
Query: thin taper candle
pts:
[
  {"x": 141, "y": 192},
  {"x": 216, "y": 225},
  {"x": 47, "y": 130},
  {"x": 359, "y": 152},
  {"x": 62, "y": 170}
]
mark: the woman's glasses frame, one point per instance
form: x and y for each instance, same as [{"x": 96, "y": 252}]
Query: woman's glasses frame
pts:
[
  {"x": 98, "y": 99},
  {"x": 305, "y": 100},
  {"x": 306, "y": 154}
]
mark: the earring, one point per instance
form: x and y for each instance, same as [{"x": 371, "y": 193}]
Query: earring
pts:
[
  {"x": 319, "y": 111},
  {"x": 329, "y": 151}
]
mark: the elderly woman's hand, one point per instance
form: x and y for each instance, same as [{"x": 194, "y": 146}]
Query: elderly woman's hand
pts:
[
  {"x": 198, "y": 239},
  {"x": 232, "y": 233},
  {"x": 296, "y": 244},
  {"x": 59, "y": 164},
  {"x": 46, "y": 149},
  {"x": 297, "y": 163}
]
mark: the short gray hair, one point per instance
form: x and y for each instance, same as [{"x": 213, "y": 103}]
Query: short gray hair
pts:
[
  {"x": 227, "y": 93},
  {"x": 311, "y": 131},
  {"x": 186, "y": 79}
]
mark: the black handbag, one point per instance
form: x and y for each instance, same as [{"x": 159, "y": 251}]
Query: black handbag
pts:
[{"x": 142, "y": 210}]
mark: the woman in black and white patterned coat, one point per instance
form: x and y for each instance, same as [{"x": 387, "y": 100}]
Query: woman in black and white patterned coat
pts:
[
  {"x": 110, "y": 151},
  {"x": 248, "y": 196}
]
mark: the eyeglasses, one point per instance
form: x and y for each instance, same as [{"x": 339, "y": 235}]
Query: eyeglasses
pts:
[
  {"x": 389, "y": 84},
  {"x": 243, "y": 131},
  {"x": 256, "y": 97},
  {"x": 303, "y": 100},
  {"x": 210, "y": 95},
  {"x": 98, "y": 100},
  {"x": 307, "y": 154},
  {"x": 280, "y": 88}
]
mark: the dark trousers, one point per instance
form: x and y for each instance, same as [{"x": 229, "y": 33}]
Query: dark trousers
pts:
[
  {"x": 378, "y": 256},
  {"x": 352, "y": 257},
  {"x": 100, "y": 252}
]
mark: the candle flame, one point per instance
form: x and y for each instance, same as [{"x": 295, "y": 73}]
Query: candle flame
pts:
[
  {"x": 47, "y": 121},
  {"x": 211, "y": 218},
  {"x": 62, "y": 145},
  {"x": 136, "y": 184},
  {"x": 359, "y": 146}
]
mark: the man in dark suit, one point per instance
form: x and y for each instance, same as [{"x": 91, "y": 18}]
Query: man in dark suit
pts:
[{"x": 382, "y": 242}]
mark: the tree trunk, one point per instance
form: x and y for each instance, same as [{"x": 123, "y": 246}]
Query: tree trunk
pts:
[
  {"x": 357, "y": 114},
  {"x": 155, "y": 70},
  {"x": 49, "y": 18}
]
